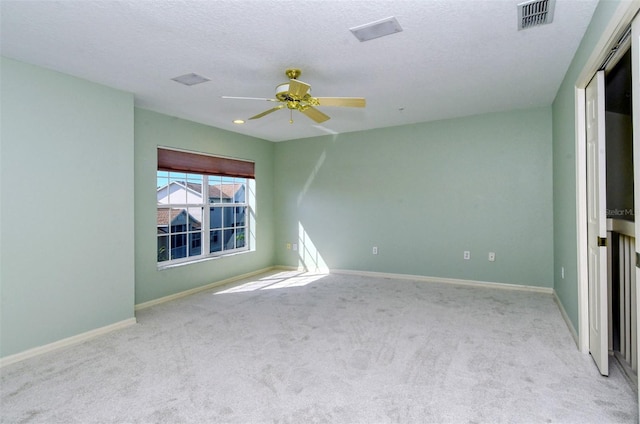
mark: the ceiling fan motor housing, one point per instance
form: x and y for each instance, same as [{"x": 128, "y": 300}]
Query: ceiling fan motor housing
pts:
[{"x": 283, "y": 94}]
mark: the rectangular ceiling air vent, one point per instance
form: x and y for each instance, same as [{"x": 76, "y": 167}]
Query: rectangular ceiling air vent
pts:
[
  {"x": 376, "y": 29},
  {"x": 535, "y": 13},
  {"x": 190, "y": 79}
]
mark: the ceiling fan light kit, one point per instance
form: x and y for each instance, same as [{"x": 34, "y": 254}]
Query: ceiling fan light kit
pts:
[{"x": 296, "y": 95}]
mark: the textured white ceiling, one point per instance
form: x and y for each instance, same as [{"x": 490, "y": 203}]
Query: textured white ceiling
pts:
[{"x": 453, "y": 58}]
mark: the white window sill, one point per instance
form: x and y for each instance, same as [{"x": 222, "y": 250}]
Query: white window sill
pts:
[{"x": 203, "y": 259}]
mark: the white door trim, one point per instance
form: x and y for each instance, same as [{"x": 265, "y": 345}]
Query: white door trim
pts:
[
  {"x": 620, "y": 20},
  {"x": 581, "y": 219}
]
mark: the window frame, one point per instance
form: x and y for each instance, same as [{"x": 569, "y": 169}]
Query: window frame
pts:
[
  {"x": 206, "y": 206},
  {"x": 224, "y": 206}
]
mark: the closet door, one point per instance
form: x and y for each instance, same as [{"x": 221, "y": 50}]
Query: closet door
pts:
[{"x": 597, "y": 223}]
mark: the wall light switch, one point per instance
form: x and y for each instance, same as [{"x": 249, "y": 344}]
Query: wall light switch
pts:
[
  {"x": 492, "y": 256},
  {"x": 288, "y": 246},
  {"x": 295, "y": 247}
]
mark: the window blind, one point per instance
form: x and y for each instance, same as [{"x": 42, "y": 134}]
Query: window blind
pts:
[{"x": 174, "y": 160}]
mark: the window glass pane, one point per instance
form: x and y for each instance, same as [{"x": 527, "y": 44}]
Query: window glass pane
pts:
[
  {"x": 240, "y": 195},
  {"x": 179, "y": 220},
  {"x": 162, "y": 189},
  {"x": 227, "y": 189},
  {"x": 194, "y": 188},
  {"x": 215, "y": 241},
  {"x": 195, "y": 244},
  {"x": 177, "y": 188},
  {"x": 215, "y": 183},
  {"x": 241, "y": 212},
  {"x": 163, "y": 220},
  {"x": 178, "y": 246},
  {"x": 163, "y": 248},
  {"x": 229, "y": 240},
  {"x": 195, "y": 219},
  {"x": 195, "y": 226},
  {"x": 215, "y": 218},
  {"x": 228, "y": 217},
  {"x": 240, "y": 239},
  {"x": 194, "y": 178},
  {"x": 234, "y": 222}
]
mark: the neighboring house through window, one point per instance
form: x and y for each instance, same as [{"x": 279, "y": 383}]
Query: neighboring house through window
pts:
[{"x": 203, "y": 206}]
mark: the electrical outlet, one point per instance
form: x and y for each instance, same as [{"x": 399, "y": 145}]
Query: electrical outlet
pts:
[
  {"x": 375, "y": 250},
  {"x": 492, "y": 256},
  {"x": 467, "y": 255}
]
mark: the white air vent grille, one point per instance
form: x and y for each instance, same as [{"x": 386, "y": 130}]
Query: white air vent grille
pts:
[
  {"x": 534, "y": 13},
  {"x": 190, "y": 79}
]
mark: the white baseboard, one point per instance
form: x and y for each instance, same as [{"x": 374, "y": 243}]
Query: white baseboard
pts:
[
  {"x": 422, "y": 278},
  {"x": 69, "y": 341},
  {"x": 213, "y": 285},
  {"x": 567, "y": 321}
]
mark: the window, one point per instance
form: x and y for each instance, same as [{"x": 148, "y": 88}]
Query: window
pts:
[{"x": 204, "y": 213}]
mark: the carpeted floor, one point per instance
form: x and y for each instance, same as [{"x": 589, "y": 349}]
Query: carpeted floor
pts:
[{"x": 292, "y": 348}]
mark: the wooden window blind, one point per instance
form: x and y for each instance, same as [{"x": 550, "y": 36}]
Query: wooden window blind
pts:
[{"x": 174, "y": 160}]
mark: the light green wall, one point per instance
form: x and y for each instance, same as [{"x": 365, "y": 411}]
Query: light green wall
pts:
[
  {"x": 67, "y": 243},
  {"x": 153, "y": 130},
  {"x": 423, "y": 194},
  {"x": 564, "y": 166}
]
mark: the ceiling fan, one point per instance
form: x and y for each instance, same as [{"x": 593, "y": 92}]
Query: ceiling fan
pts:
[{"x": 296, "y": 95}]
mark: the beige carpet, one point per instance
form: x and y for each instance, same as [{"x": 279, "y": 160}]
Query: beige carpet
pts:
[{"x": 291, "y": 348}]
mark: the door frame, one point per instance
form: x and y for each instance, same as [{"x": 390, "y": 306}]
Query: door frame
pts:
[{"x": 616, "y": 28}]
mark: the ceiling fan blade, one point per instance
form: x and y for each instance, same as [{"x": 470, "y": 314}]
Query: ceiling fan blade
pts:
[
  {"x": 342, "y": 101},
  {"x": 266, "y": 112},
  {"x": 297, "y": 89},
  {"x": 249, "y": 98},
  {"x": 315, "y": 114}
]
